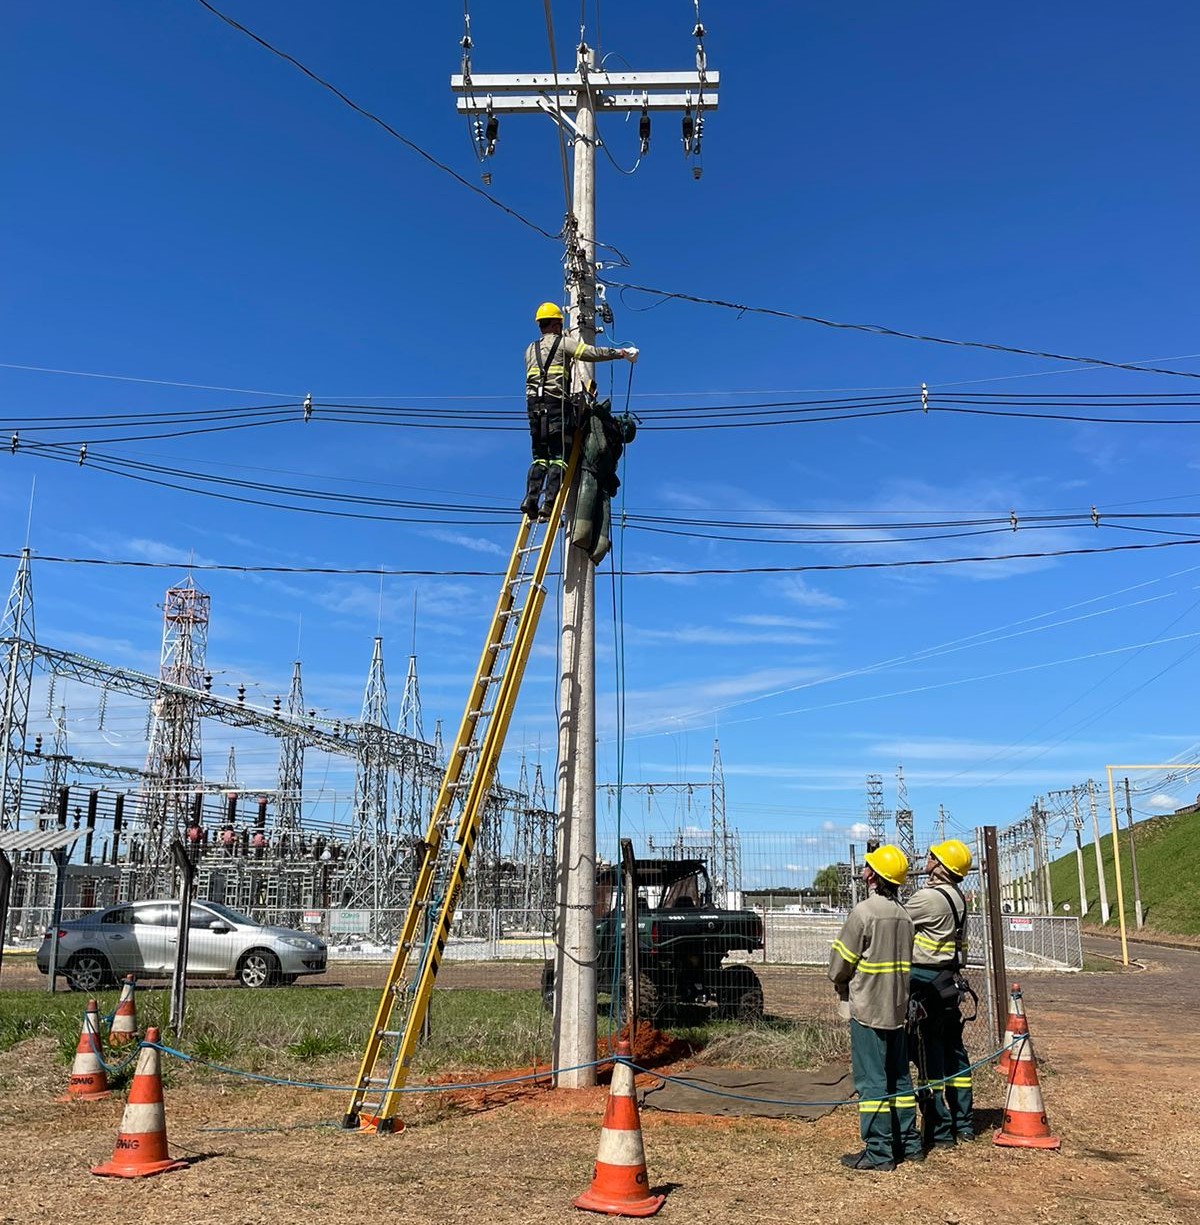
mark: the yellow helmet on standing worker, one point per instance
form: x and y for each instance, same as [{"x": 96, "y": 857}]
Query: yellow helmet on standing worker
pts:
[
  {"x": 548, "y": 310},
  {"x": 890, "y": 862},
  {"x": 953, "y": 855}
]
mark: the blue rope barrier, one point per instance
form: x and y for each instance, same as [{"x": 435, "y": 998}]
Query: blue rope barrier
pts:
[{"x": 454, "y": 1086}]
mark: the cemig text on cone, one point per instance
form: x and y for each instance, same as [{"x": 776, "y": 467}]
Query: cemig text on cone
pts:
[
  {"x": 1025, "y": 1124},
  {"x": 88, "y": 1081},
  {"x": 141, "y": 1148},
  {"x": 124, "y": 1028},
  {"x": 620, "y": 1184}
]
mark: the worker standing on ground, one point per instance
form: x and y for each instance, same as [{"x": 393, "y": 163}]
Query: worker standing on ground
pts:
[
  {"x": 548, "y": 363},
  {"x": 939, "y": 915},
  {"x": 869, "y": 967}
]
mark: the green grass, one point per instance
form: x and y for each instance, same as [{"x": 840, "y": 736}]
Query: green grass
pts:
[
  {"x": 287, "y": 1030},
  {"x": 302, "y": 1033},
  {"x": 1168, "y": 852}
]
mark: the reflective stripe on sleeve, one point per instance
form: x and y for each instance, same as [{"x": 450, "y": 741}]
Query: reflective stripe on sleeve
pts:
[{"x": 845, "y": 954}]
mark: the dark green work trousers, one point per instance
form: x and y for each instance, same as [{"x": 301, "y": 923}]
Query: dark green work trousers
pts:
[
  {"x": 940, "y": 1054},
  {"x": 887, "y": 1107}
]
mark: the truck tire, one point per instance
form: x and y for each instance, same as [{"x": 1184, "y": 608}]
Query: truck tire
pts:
[{"x": 741, "y": 995}]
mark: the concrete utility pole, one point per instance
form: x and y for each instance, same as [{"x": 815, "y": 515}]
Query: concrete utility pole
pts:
[
  {"x": 593, "y": 91},
  {"x": 1077, "y": 820},
  {"x": 1091, "y": 790},
  {"x": 1137, "y": 888}
]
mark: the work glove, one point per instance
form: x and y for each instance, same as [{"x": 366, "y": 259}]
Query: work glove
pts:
[{"x": 630, "y": 355}]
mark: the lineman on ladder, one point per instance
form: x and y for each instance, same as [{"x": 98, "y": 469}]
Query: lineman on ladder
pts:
[
  {"x": 939, "y": 915},
  {"x": 548, "y": 363}
]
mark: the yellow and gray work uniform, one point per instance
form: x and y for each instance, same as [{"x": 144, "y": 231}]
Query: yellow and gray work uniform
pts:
[
  {"x": 552, "y": 421},
  {"x": 870, "y": 963},
  {"x": 557, "y": 359},
  {"x": 943, "y": 1065}
]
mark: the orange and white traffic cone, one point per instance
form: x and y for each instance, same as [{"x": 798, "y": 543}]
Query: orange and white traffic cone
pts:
[
  {"x": 141, "y": 1148},
  {"x": 1016, "y": 1025},
  {"x": 620, "y": 1185},
  {"x": 1025, "y": 1124},
  {"x": 88, "y": 1081},
  {"x": 124, "y": 1028}
]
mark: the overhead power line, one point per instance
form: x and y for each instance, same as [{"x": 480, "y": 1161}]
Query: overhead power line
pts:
[
  {"x": 664, "y": 572},
  {"x": 375, "y": 119},
  {"x": 876, "y": 329}
]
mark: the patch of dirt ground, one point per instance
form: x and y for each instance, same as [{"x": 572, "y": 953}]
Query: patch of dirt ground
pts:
[{"x": 1120, "y": 1072}]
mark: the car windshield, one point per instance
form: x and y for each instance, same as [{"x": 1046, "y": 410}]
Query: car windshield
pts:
[{"x": 229, "y": 914}]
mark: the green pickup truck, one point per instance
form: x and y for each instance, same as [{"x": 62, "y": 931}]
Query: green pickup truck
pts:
[{"x": 683, "y": 941}]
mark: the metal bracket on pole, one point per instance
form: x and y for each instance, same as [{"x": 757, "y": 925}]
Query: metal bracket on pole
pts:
[{"x": 556, "y": 113}]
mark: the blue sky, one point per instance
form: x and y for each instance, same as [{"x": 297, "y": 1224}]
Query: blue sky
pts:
[{"x": 184, "y": 207}]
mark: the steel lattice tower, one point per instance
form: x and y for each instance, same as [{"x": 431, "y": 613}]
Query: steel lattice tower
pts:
[
  {"x": 56, "y": 763},
  {"x": 876, "y": 831},
  {"x": 905, "y": 838},
  {"x": 291, "y": 762},
  {"x": 173, "y": 762},
  {"x": 367, "y": 874},
  {"x": 16, "y": 683},
  {"x": 231, "y": 778},
  {"x": 726, "y": 860},
  {"x": 414, "y": 782}
]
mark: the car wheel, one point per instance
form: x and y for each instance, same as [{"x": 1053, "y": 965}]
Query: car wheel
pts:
[
  {"x": 258, "y": 968},
  {"x": 88, "y": 971},
  {"x": 741, "y": 995}
]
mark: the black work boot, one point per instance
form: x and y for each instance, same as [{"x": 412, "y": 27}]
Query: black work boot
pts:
[{"x": 533, "y": 490}]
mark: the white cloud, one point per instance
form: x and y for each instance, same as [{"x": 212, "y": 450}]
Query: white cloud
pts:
[
  {"x": 476, "y": 544},
  {"x": 1162, "y": 802},
  {"x": 800, "y": 592}
]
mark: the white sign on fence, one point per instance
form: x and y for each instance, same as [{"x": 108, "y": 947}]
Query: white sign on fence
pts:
[
  {"x": 1020, "y": 925},
  {"x": 312, "y": 918},
  {"x": 349, "y": 922}
]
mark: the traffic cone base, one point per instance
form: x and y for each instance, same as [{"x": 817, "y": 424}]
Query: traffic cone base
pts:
[
  {"x": 141, "y": 1148},
  {"x": 88, "y": 1081},
  {"x": 124, "y": 1027},
  {"x": 1024, "y": 1123},
  {"x": 620, "y": 1184}
]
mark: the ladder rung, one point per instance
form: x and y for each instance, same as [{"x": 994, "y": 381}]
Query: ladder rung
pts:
[{"x": 389, "y": 1033}]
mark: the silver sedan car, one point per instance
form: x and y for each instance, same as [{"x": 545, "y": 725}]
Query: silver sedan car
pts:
[{"x": 140, "y": 938}]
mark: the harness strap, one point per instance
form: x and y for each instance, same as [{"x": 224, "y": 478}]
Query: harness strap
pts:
[
  {"x": 960, "y": 923},
  {"x": 544, "y": 366}
]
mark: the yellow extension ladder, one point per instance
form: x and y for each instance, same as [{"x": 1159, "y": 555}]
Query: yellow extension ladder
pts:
[{"x": 454, "y": 824}]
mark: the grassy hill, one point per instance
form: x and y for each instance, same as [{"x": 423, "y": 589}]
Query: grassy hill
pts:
[{"x": 1168, "y": 851}]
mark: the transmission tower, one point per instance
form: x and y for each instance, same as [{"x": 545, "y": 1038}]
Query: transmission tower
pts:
[
  {"x": 231, "y": 778},
  {"x": 905, "y": 839},
  {"x": 16, "y": 677},
  {"x": 173, "y": 761},
  {"x": 876, "y": 831},
  {"x": 366, "y": 866},
  {"x": 291, "y": 762},
  {"x": 414, "y": 780},
  {"x": 56, "y": 762},
  {"x": 726, "y": 860}
]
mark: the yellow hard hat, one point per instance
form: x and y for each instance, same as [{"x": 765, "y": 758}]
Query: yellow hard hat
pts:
[
  {"x": 890, "y": 862},
  {"x": 548, "y": 310},
  {"x": 953, "y": 855}
]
